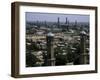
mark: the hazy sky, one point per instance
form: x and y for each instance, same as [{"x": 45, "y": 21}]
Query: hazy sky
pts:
[{"x": 31, "y": 16}]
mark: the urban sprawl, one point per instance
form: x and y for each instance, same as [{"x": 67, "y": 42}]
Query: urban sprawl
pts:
[{"x": 57, "y": 43}]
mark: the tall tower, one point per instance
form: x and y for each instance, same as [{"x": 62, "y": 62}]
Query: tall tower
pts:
[
  {"x": 58, "y": 23},
  {"x": 67, "y": 24},
  {"x": 50, "y": 49},
  {"x": 83, "y": 58},
  {"x": 75, "y": 23},
  {"x": 45, "y": 23},
  {"x": 37, "y": 23},
  {"x": 66, "y": 21}
]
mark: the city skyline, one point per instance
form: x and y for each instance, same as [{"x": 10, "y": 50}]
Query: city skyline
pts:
[
  {"x": 52, "y": 17},
  {"x": 56, "y": 39}
]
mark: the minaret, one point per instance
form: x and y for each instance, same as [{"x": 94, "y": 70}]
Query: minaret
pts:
[
  {"x": 67, "y": 24},
  {"x": 58, "y": 23},
  {"x": 75, "y": 23},
  {"x": 66, "y": 21},
  {"x": 37, "y": 23},
  {"x": 45, "y": 24},
  {"x": 83, "y": 57},
  {"x": 50, "y": 49}
]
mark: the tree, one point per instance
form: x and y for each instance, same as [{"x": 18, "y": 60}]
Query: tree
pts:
[{"x": 31, "y": 60}]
